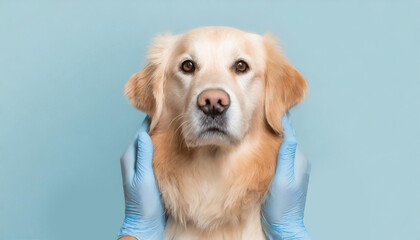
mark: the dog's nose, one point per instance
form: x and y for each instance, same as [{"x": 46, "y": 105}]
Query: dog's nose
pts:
[{"x": 213, "y": 102}]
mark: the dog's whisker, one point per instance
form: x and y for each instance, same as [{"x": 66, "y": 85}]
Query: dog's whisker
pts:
[
  {"x": 178, "y": 128},
  {"x": 180, "y": 116}
]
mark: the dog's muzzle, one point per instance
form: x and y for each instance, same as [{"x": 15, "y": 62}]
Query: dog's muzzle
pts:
[{"x": 213, "y": 104}]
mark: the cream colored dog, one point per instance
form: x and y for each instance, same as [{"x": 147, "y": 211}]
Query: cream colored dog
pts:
[{"x": 216, "y": 97}]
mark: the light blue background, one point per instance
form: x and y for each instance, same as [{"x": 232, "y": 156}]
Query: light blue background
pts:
[{"x": 64, "y": 121}]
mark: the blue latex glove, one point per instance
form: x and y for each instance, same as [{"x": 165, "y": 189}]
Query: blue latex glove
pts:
[
  {"x": 282, "y": 213},
  {"x": 144, "y": 215}
]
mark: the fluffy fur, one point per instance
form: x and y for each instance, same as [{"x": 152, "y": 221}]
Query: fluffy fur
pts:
[{"x": 213, "y": 187}]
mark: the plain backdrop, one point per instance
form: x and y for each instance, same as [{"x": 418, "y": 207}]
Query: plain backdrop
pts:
[{"x": 64, "y": 121}]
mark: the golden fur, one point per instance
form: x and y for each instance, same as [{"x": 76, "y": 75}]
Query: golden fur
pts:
[{"x": 215, "y": 191}]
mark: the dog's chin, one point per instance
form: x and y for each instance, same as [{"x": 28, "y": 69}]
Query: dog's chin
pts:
[{"x": 213, "y": 136}]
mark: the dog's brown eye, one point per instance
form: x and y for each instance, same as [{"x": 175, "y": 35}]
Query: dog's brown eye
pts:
[
  {"x": 241, "y": 66},
  {"x": 188, "y": 66}
]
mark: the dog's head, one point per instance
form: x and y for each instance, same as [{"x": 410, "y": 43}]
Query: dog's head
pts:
[{"x": 212, "y": 82}]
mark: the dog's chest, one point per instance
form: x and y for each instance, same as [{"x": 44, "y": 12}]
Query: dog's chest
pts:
[
  {"x": 206, "y": 203},
  {"x": 202, "y": 191}
]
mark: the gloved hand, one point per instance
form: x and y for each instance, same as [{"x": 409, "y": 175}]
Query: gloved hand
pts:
[
  {"x": 144, "y": 215},
  {"x": 282, "y": 213}
]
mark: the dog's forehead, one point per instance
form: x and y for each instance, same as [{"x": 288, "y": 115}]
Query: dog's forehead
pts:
[{"x": 221, "y": 42}]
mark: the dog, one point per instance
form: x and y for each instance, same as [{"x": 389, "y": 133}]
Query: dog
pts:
[{"x": 216, "y": 97}]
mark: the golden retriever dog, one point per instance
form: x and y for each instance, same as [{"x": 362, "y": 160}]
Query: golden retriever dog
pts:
[{"x": 216, "y": 97}]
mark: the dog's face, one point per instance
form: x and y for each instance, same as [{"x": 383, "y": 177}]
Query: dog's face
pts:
[
  {"x": 211, "y": 83},
  {"x": 215, "y": 84}
]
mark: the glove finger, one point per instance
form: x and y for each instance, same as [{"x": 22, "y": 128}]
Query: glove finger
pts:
[
  {"x": 302, "y": 167},
  {"x": 128, "y": 162},
  {"x": 144, "y": 155},
  {"x": 128, "y": 159},
  {"x": 286, "y": 156},
  {"x": 288, "y": 129},
  {"x": 151, "y": 206},
  {"x": 144, "y": 127}
]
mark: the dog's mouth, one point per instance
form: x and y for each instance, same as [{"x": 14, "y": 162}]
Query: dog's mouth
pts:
[
  {"x": 209, "y": 131},
  {"x": 213, "y": 126},
  {"x": 214, "y": 130},
  {"x": 216, "y": 136}
]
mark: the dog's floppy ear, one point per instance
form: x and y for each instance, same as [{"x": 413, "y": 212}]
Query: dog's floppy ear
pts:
[
  {"x": 145, "y": 88},
  {"x": 284, "y": 85}
]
